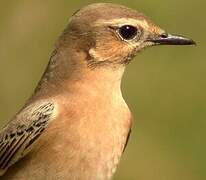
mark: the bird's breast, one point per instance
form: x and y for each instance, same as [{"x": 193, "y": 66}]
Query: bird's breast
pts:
[
  {"x": 90, "y": 136},
  {"x": 84, "y": 142}
]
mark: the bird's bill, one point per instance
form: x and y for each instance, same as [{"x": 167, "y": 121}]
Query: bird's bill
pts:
[{"x": 169, "y": 39}]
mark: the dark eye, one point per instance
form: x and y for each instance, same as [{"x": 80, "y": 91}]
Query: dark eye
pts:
[{"x": 128, "y": 32}]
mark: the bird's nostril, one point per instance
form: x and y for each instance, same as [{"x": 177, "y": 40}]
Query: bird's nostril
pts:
[{"x": 164, "y": 35}]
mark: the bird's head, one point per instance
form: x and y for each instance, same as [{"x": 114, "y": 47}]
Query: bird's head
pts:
[{"x": 113, "y": 34}]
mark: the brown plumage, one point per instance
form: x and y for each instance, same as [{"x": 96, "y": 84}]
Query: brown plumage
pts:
[{"x": 76, "y": 124}]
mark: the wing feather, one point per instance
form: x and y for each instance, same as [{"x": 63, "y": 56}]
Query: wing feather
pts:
[
  {"x": 20, "y": 133},
  {"x": 11, "y": 151}
]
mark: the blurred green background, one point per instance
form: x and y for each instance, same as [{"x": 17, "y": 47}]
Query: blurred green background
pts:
[{"x": 164, "y": 86}]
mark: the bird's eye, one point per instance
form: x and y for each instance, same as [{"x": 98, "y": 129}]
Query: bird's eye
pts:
[{"x": 128, "y": 32}]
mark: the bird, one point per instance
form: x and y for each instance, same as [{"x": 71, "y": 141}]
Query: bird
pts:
[{"x": 76, "y": 124}]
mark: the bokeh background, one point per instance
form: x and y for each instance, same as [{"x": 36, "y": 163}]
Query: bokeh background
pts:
[{"x": 164, "y": 86}]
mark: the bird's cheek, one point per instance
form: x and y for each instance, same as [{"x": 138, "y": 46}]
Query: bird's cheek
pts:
[{"x": 109, "y": 51}]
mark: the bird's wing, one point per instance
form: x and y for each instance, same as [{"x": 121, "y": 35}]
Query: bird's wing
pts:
[
  {"x": 127, "y": 140},
  {"x": 129, "y": 133},
  {"x": 17, "y": 137}
]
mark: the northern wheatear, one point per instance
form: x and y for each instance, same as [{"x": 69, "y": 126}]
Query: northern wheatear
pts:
[{"x": 76, "y": 124}]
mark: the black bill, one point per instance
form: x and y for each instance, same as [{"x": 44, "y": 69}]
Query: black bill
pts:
[{"x": 169, "y": 39}]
